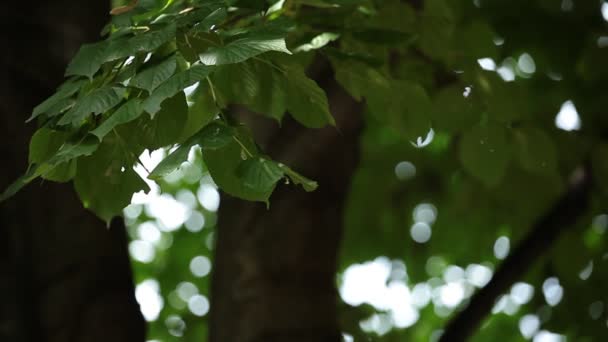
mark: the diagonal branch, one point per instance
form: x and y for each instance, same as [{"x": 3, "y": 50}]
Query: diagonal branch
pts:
[{"x": 566, "y": 211}]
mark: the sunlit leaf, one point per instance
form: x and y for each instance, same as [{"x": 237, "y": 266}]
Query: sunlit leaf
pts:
[{"x": 243, "y": 49}]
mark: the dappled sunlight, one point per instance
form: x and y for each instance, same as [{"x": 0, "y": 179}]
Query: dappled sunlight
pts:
[
  {"x": 502, "y": 247},
  {"x": 405, "y": 170},
  {"x": 198, "y": 305},
  {"x": 529, "y": 325},
  {"x": 567, "y": 118},
  {"x": 148, "y": 296},
  {"x": 553, "y": 291},
  {"x": 188, "y": 198}
]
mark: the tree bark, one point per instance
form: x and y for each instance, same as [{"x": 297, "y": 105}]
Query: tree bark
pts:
[
  {"x": 274, "y": 273},
  {"x": 65, "y": 277}
]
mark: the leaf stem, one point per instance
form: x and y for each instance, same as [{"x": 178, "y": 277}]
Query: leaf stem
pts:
[
  {"x": 242, "y": 146},
  {"x": 283, "y": 71}
]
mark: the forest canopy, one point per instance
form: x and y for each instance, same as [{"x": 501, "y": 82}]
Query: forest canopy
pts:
[{"x": 482, "y": 162}]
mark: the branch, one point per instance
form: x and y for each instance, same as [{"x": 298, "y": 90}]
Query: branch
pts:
[{"x": 566, "y": 211}]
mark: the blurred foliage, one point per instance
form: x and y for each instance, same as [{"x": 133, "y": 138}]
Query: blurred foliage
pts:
[{"x": 477, "y": 112}]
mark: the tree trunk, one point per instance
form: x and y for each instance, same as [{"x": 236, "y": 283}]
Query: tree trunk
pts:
[
  {"x": 274, "y": 272},
  {"x": 64, "y": 276}
]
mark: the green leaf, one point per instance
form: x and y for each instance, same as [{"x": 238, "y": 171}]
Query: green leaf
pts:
[
  {"x": 62, "y": 173},
  {"x": 214, "y": 18},
  {"x": 88, "y": 60},
  {"x": 98, "y": 101},
  {"x": 168, "y": 124},
  {"x": 145, "y": 42},
  {"x": 129, "y": 111},
  {"x": 66, "y": 90},
  {"x": 190, "y": 46},
  {"x": 18, "y": 184},
  {"x": 306, "y": 101},
  {"x": 260, "y": 87},
  {"x": 259, "y": 174},
  {"x": 175, "y": 84},
  {"x": 105, "y": 184},
  {"x": 242, "y": 49},
  {"x": 154, "y": 76},
  {"x": 534, "y": 150},
  {"x": 298, "y": 179},
  {"x": 44, "y": 144},
  {"x": 72, "y": 150},
  {"x": 224, "y": 162},
  {"x": 90, "y": 57},
  {"x": 211, "y": 13},
  {"x": 485, "y": 153},
  {"x": 211, "y": 137},
  {"x": 47, "y": 168},
  {"x": 201, "y": 111}
]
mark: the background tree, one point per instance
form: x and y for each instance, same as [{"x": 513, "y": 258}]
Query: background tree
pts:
[
  {"x": 64, "y": 277},
  {"x": 480, "y": 126}
]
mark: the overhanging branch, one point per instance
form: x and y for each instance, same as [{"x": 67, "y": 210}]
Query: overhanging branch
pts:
[{"x": 566, "y": 211}]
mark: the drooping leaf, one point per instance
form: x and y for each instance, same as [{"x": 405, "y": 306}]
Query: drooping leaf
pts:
[
  {"x": 211, "y": 137},
  {"x": 224, "y": 162},
  {"x": 243, "y": 49},
  {"x": 145, "y": 42},
  {"x": 88, "y": 60},
  {"x": 152, "y": 77},
  {"x": 260, "y": 87},
  {"x": 485, "y": 152},
  {"x": 259, "y": 174},
  {"x": 208, "y": 14},
  {"x": 17, "y": 185},
  {"x": 96, "y": 102},
  {"x": 168, "y": 124},
  {"x": 104, "y": 183},
  {"x": 48, "y": 168},
  {"x": 306, "y": 101},
  {"x": 173, "y": 85},
  {"x": 129, "y": 111},
  {"x": 211, "y": 20},
  {"x": 66, "y": 90},
  {"x": 201, "y": 112},
  {"x": 90, "y": 57},
  {"x": 190, "y": 46},
  {"x": 44, "y": 144},
  {"x": 298, "y": 179}
]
